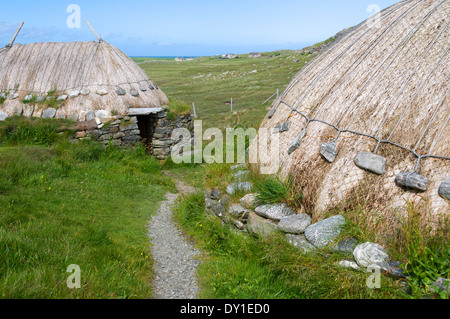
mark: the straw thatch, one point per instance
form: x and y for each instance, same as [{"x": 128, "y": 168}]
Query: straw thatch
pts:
[
  {"x": 95, "y": 67},
  {"x": 395, "y": 72}
]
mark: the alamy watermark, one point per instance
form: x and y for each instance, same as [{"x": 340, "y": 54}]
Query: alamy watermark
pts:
[
  {"x": 264, "y": 146},
  {"x": 374, "y": 21},
  {"x": 74, "y": 19},
  {"x": 74, "y": 280},
  {"x": 374, "y": 280}
]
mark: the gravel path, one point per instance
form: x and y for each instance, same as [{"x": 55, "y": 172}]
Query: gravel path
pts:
[{"x": 175, "y": 262}]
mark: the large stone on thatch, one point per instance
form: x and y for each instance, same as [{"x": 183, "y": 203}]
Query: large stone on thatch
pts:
[
  {"x": 325, "y": 232},
  {"x": 329, "y": 151},
  {"x": 371, "y": 162},
  {"x": 444, "y": 189},
  {"x": 296, "y": 143},
  {"x": 412, "y": 181}
]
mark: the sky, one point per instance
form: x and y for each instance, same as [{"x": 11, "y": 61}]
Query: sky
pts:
[{"x": 184, "y": 28}]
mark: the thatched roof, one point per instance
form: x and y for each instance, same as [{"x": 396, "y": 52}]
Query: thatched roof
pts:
[
  {"x": 389, "y": 84},
  {"x": 95, "y": 67}
]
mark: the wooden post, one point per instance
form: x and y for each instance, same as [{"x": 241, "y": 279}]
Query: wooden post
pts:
[
  {"x": 92, "y": 29},
  {"x": 10, "y": 44}
]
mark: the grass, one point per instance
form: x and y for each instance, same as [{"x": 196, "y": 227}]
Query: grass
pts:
[
  {"x": 78, "y": 204},
  {"x": 239, "y": 266},
  {"x": 210, "y": 83}
]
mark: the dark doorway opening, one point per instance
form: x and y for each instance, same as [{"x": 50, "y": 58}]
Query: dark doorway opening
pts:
[{"x": 146, "y": 129}]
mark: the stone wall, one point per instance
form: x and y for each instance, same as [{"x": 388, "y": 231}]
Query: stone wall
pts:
[{"x": 126, "y": 131}]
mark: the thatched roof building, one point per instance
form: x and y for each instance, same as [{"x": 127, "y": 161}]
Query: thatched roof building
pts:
[
  {"x": 368, "y": 119},
  {"x": 82, "y": 76}
]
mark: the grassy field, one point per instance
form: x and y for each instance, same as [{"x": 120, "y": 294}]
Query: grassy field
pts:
[
  {"x": 211, "y": 83},
  {"x": 63, "y": 204}
]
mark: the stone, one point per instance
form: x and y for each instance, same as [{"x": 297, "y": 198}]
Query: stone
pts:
[
  {"x": 393, "y": 269},
  {"x": 348, "y": 264},
  {"x": 143, "y": 88},
  {"x": 237, "y": 167},
  {"x": 164, "y": 142},
  {"x": 85, "y": 92},
  {"x": 74, "y": 94},
  {"x": 28, "y": 98},
  {"x": 80, "y": 134},
  {"x": 240, "y": 175},
  {"x": 118, "y": 135},
  {"x": 138, "y": 132},
  {"x": 225, "y": 201},
  {"x": 215, "y": 194},
  {"x": 272, "y": 113},
  {"x": 3, "y": 95},
  {"x": 129, "y": 127},
  {"x": 90, "y": 116},
  {"x": 61, "y": 116},
  {"x": 249, "y": 201},
  {"x": 346, "y": 246},
  {"x": 236, "y": 210},
  {"x": 371, "y": 162},
  {"x": 161, "y": 115},
  {"x": 82, "y": 116},
  {"x": 412, "y": 181},
  {"x": 28, "y": 110},
  {"x": 102, "y": 92},
  {"x": 238, "y": 224},
  {"x": 296, "y": 143},
  {"x": 13, "y": 96},
  {"x": 134, "y": 93},
  {"x": 329, "y": 151},
  {"x": 101, "y": 114},
  {"x": 325, "y": 232},
  {"x": 49, "y": 113},
  {"x": 3, "y": 116},
  {"x": 238, "y": 187},
  {"x": 40, "y": 99},
  {"x": 121, "y": 91},
  {"x": 295, "y": 224},
  {"x": 74, "y": 116},
  {"x": 300, "y": 242},
  {"x": 151, "y": 87},
  {"x": 17, "y": 110},
  {"x": 275, "y": 212},
  {"x": 282, "y": 127},
  {"x": 444, "y": 189},
  {"x": 441, "y": 284},
  {"x": 62, "y": 98},
  {"x": 213, "y": 207},
  {"x": 368, "y": 254},
  {"x": 259, "y": 226}
]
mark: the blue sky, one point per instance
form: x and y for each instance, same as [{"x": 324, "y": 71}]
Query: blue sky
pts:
[{"x": 186, "y": 28}]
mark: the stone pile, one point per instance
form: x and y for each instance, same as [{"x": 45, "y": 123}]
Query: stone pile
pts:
[{"x": 265, "y": 220}]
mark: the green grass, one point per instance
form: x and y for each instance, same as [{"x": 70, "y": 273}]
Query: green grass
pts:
[
  {"x": 18, "y": 130},
  {"x": 77, "y": 204},
  {"x": 191, "y": 82},
  {"x": 239, "y": 266}
]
